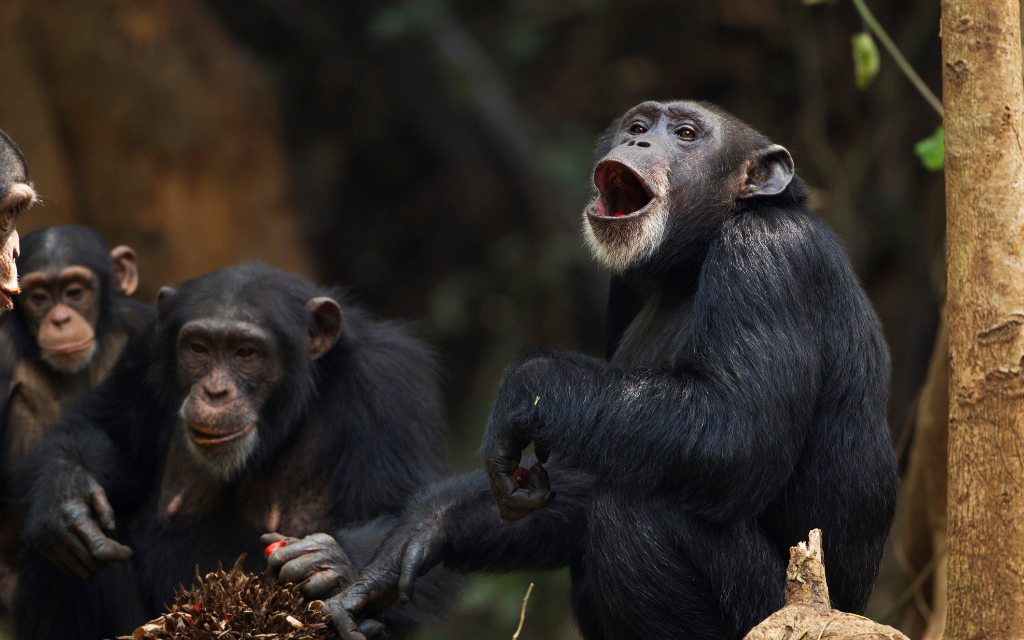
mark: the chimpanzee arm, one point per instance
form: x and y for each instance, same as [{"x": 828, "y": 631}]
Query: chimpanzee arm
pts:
[
  {"x": 456, "y": 523},
  {"x": 725, "y": 424},
  {"x": 100, "y": 453}
]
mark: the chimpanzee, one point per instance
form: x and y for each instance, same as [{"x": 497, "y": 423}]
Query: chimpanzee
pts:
[
  {"x": 250, "y": 405},
  {"x": 743, "y": 406},
  {"x": 67, "y": 331},
  {"x": 16, "y": 195}
]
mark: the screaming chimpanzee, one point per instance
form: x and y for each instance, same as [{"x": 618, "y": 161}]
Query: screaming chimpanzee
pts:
[
  {"x": 249, "y": 406},
  {"x": 67, "y": 331},
  {"x": 16, "y": 195},
  {"x": 743, "y": 406}
]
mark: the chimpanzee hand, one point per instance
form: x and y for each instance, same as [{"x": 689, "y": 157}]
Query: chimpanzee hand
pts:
[
  {"x": 317, "y": 562},
  {"x": 408, "y": 553},
  {"x": 512, "y": 426},
  {"x": 67, "y": 527}
]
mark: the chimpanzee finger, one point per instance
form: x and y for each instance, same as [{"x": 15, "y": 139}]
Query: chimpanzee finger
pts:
[
  {"x": 503, "y": 485},
  {"x": 321, "y": 584},
  {"x": 539, "y": 477},
  {"x": 101, "y": 505},
  {"x": 281, "y": 556},
  {"x": 78, "y": 519},
  {"x": 270, "y": 537},
  {"x": 372, "y": 629},
  {"x": 412, "y": 559},
  {"x": 344, "y": 617},
  {"x": 302, "y": 567},
  {"x": 100, "y": 546},
  {"x": 64, "y": 558}
]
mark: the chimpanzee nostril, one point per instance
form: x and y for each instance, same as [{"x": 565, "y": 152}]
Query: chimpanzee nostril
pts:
[
  {"x": 643, "y": 144},
  {"x": 630, "y": 143}
]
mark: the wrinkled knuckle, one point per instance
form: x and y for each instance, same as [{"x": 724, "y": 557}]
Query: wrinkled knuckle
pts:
[{"x": 322, "y": 538}]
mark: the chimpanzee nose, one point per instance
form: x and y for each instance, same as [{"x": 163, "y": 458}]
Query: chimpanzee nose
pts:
[
  {"x": 60, "y": 317},
  {"x": 216, "y": 394},
  {"x": 640, "y": 143}
]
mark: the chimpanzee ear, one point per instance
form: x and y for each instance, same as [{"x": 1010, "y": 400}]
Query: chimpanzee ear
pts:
[
  {"x": 164, "y": 299},
  {"x": 327, "y": 317},
  {"x": 768, "y": 172},
  {"x": 126, "y": 269}
]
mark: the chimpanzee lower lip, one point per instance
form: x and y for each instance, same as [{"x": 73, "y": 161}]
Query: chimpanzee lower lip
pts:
[
  {"x": 203, "y": 436},
  {"x": 69, "y": 349},
  {"x": 594, "y": 212}
]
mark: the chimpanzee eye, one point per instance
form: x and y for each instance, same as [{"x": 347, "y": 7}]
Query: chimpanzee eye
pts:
[
  {"x": 245, "y": 352},
  {"x": 198, "y": 348},
  {"x": 637, "y": 128},
  {"x": 39, "y": 298},
  {"x": 74, "y": 293},
  {"x": 687, "y": 132}
]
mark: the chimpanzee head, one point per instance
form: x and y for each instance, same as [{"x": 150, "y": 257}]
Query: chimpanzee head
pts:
[
  {"x": 69, "y": 280},
  {"x": 667, "y": 177},
  {"x": 16, "y": 195},
  {"x": 244, "y": 342}
]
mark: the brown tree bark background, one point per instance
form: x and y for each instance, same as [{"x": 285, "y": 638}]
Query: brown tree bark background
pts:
[
  {"x": 148, "y": 122},
  {"x": 984, "y": 105}
]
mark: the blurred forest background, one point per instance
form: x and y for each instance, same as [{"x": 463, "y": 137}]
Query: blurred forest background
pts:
[{"x": 435, "y": 155}]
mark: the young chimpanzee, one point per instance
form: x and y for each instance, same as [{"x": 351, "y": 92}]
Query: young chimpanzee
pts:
[
  {"x": 68, "y": 328},
  {"x": 250, "y": 405},
  {"x": 743, "y": 406},
  {"x": 16, "y": 195}
]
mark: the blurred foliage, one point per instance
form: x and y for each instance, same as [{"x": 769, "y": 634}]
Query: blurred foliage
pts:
[
  {"x": 932, "y": 150},
  {"x": 866, "y": 60}
]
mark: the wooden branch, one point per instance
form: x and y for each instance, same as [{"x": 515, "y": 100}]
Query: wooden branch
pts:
[{"x": 808, "y": 613}]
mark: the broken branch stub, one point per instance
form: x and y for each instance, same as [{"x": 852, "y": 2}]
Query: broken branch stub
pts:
[{"x": 808, "y": 612}]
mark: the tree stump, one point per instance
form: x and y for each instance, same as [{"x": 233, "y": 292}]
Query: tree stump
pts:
[{"x": 808, "y": 614}]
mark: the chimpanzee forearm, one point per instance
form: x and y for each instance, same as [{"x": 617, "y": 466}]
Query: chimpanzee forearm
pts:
[
  {"x": 102, "y": 436},
  {"x": 477, "y": 539}
]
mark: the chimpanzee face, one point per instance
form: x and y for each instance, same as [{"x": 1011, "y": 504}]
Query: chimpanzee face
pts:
[
  {"x": 66, "y": 271},
  {"x": 16, "y": 195},
  {"x": 61, "y": 308},
  {"x": 238, "y": 359},
  {"x": 675, "y": 169},
  {"x": 227, "y": 367}
]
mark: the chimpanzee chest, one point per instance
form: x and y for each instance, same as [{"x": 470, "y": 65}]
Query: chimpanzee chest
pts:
[{"x": 654, "y": 337}]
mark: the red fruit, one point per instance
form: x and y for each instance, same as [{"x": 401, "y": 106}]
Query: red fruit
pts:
[
  {"x": 522, "y": 477},
  {"x": 195, "y": 606},
  {"x": 618, "y": 213},
  {"x": 272, "y": 547}
]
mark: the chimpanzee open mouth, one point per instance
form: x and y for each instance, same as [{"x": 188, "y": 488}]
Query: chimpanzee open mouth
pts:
[
  {"x": 205, "y": 436},
  {"x": 623, "y": 193}
]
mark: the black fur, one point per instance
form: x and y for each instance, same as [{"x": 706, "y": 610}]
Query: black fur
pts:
[
  {"x": 743, "y": 405},
  {"x": 363, "y": 422}
]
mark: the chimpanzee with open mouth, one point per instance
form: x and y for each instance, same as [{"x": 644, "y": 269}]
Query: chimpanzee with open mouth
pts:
[{"x": 743, "y": 403}]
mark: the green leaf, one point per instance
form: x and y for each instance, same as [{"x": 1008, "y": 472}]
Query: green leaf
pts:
[
  {"x": 932, "y": 150},
  {"x": 865, "y": 59}
]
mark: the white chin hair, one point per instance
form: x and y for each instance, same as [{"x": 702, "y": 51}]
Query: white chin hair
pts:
[
  {"x": 224, "y": 464},
  {"x": 639, "y": 243}
]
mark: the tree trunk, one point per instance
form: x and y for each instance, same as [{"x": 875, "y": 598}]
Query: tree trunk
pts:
[{"x": 981, "y": 51}]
